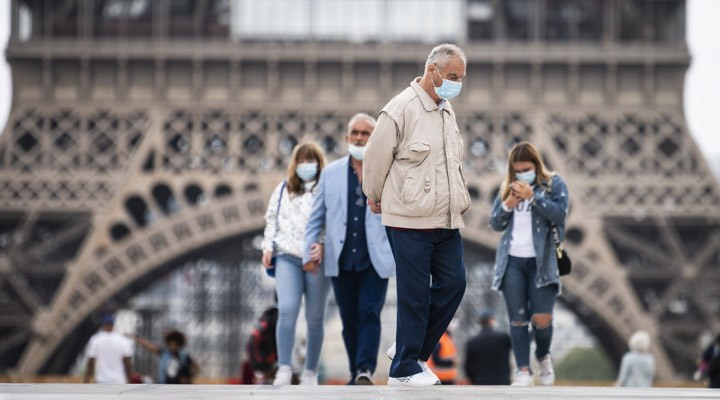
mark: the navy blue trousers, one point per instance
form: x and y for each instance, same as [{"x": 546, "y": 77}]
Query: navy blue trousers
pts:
[
  {"x": 360, "y": 296},
  {"x": 430, "y": 285}
]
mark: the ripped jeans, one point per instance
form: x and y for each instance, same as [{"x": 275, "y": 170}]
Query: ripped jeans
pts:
[{"x": 524, "y": 300}]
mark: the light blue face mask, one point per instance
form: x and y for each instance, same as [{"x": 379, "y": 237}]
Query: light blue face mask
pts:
[
  {"x": 357, "y": 152},
  {"x": 306, "y": 171},
  {"x": 448, "y": 89},
  {"x": 527, "y": 177}
]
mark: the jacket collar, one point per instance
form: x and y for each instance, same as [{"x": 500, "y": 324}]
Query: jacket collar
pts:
[{"x": 427, "y": 101}]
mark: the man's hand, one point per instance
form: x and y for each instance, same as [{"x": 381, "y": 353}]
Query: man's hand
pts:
[
  {"x": 316, "y": 252},
  {"x": 266, "y": 259},
  {"x": 522, "y": 190},
  {"x": 374, "y": 207},
  {"x": 311, "y": 266}
]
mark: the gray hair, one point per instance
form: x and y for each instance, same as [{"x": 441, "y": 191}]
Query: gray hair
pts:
[
  {"x": 443, "y": 53},
  {"x": 357, "y": 117},
  {"x": 640, "y": 341}
]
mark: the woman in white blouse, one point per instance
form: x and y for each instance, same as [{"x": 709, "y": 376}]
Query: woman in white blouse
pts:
[{"x": 286, "y": 217}]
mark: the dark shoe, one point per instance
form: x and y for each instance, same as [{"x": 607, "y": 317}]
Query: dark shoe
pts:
[{"x": 364, "y": 377}]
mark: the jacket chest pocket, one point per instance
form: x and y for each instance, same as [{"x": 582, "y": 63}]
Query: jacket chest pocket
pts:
[{"x": 417, "y": 183}]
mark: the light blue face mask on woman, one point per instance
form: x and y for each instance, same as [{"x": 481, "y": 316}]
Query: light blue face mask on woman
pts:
[
  {"x": 448, "y": 89},
  {"x": 306, "y": 171},
  {"x": 527, "y": 177}
]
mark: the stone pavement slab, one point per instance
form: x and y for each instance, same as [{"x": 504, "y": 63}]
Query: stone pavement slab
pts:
[{"x": 255, "y": 392}]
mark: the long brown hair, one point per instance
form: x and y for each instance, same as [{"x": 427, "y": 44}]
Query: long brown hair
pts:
[
  {"x": 302, "y": 152},
  {"x": 522, "y": 152}
]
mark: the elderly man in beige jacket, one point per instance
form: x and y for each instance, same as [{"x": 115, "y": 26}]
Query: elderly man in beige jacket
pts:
[{"x": 413, "y": 176}]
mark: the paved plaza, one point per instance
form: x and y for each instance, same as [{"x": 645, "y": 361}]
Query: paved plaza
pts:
[{"x": 255, "y": 392}]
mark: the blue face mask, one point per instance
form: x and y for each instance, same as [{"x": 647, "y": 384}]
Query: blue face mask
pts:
[
  {"x": 357, "y": 152},
  {"x": 448, "y": 89},
  {"x": 306, "y": 171},
  {"x": 527, "y": 177}
]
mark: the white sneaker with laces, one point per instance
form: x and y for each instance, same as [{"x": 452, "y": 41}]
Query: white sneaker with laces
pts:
[
  {"x": 283, "y": 376},
  {"x": 523, "y": 378},
  {"x": 309, "y": 378},
  {"x": 419, "y": 379},
  {"x": 547, "y": 372},
  {"x": 426, "y": 369},
  {"x": 391, "y": 354}
]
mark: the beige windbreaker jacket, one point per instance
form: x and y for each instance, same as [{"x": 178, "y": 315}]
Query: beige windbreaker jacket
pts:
[{"x": 413, "y": 163}]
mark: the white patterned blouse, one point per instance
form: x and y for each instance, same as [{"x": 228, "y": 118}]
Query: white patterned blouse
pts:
[{"x": 288, "y": 231}]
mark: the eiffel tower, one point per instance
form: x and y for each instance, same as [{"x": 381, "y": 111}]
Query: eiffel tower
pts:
[{"x": 141, "y": 135}]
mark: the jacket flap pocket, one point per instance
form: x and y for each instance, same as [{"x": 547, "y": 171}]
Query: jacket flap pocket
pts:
[{"x": 419, "y": 147}]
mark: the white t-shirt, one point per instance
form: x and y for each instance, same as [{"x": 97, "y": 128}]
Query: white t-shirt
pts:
[
  {"x": 522, "y": 244},
  {"x": 108, "y": 349}
]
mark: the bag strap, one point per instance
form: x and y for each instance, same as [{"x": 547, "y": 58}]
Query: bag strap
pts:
[{"x": 277, "y": 214}]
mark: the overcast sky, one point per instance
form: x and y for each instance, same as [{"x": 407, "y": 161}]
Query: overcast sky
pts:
[{"x": 702, "y": 85}]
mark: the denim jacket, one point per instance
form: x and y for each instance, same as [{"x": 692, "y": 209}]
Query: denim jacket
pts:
[{"x": 548, "y": 208}]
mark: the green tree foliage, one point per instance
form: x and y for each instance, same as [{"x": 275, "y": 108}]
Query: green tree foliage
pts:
[{"x": 586, "y": 364}]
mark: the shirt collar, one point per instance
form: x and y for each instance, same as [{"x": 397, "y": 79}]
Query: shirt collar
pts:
[{"x": 427, "y": 101}]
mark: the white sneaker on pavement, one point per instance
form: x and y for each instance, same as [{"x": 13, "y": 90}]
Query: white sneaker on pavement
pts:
[
  {"x": 547, "y": 372},
  {"x": 391, "y": 354},
  {"x": 523, "y": 378},
  {"x": 309, "y": 378},
  {"x": 426, "y": 369},
  {"x": 419, "y": 379},
  {"x": 283, "y": 376}
]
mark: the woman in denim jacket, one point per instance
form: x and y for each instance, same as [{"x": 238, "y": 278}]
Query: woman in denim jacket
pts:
[{"x": 531, "y": 201}]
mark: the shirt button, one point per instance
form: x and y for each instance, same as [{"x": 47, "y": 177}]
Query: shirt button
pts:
[
  {"x": 354, "y": 250},
  {"x": 355, "y": 219},
  {"x": 354, "y": 234}
]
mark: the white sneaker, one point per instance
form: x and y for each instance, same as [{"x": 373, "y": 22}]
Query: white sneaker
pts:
[
  {"x": 283, "y": 376},
  {"x": 426, "y": 369},
  {"x": 547, "y": 372},
  {"x": 391, "y": 354},
  {"x": 523, "y": 378},
  {"x": 419, "y": 379},
  {"x": 309, "y": 378},
  {"x": 391, "y": 351}
]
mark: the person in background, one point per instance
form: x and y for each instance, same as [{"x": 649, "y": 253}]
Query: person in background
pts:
[
  {"x": 357, "y": 252},
  {"x": 109, "y": 355},
  {"x": 487, "y": 355},
  {"x": 709, "y": 365},
  {"x": 261, "y": 364},
  {"x": 444, "y": 359},
  {"x": 286, "y": 219},
  {"x": 414, "y": 178},
  {"x": 175, "y": 365},
  {"x": 531, "y": 209},
  {"x": 637, "y": 368}
]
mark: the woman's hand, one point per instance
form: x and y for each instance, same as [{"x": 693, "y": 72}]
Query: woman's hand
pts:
[
  {"x": 521, "y": 190},
  {"x": 266, "y": 259},
  {"x": 312, "y": 267},
  {"x": 316, "y": 252},
  {"x": 512, "y": 201}
]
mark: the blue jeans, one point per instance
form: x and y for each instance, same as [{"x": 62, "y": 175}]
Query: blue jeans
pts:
[
  {"x": 360, "y": 297},
  {"x": 424, "y": 309},
  {"x": 523, "y": 300},
  {"x": 291, "y": 283}
]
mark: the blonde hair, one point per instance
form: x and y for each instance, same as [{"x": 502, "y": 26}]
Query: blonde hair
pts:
[
  {"x": 303, "y": 151},
  {"x": 525, "y": 152},
  {"x": 640, "y": 341}
]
